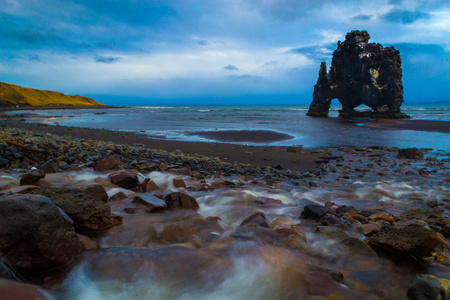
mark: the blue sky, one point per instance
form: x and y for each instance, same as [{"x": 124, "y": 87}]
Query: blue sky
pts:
[{"x": 212, "y": 51}]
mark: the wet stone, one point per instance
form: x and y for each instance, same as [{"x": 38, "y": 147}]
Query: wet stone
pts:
[
  {"x": 150, "y": 202},
  {"x": 257, "y": 218},
  {"x": 314, "y": 212}
]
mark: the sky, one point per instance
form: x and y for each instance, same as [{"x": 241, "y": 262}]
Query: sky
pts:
[{"x": 213, "y": 52}]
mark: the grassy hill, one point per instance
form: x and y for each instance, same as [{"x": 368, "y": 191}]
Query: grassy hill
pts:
[{"x": 13, "y": 95}]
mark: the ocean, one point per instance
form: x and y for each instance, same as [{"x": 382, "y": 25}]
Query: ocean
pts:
[{"x": 178, "y": 123}]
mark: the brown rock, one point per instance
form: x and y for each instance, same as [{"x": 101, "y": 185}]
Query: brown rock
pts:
[
  {"x": 268, "y": 202},
  {"x": 182, "y": 172},
  {"x": 151, "y": 186},
  {"x": 178, "y": 182},
  {"x": 150, "y": 202},
  {"x": 118, "y": 197},
  {"x": 35, "y": 235},
  {"x": 105, "y": 183},
  {"x": 163, "y": 167},
  {"x": 126, "y": 179},
  {"x": 88, "y": 243},
  {"x": 369, "y": 228},
  {"x": 257, "y": 218},
  {"x": 106, "y": 164},
  {"x": 411, "y": 241},
  {"x": 43, "y": 184},
  {"x": 25, "y": 189},
  {"x": 381, "y": 216},
  {"x": 179, "y": 200},
  {"x": 31, "y": 178}
]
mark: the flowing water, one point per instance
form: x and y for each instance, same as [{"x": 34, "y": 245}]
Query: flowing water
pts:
[{"x": 206, "y": 254}]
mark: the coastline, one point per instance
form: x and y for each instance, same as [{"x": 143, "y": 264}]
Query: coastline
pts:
[{"x": 260, "y": 156}]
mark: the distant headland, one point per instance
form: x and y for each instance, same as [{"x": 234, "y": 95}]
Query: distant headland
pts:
[{"x": 13, "y": 95}]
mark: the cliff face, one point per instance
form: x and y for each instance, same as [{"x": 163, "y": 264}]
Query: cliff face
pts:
[
  {"x": 12, "y": 95},
  {"x": 361, "y": 73}
]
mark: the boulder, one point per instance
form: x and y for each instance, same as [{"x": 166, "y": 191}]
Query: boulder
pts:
[
  {"x": 179, "y": 200},
  {"x": 92, "y": 189},
  {"x": 360, "y": 73},
  {"x": 35, "y": 235},
  {"x": 22, "y": 291},
  {"x": 126, "y": 179},
  {"x": 257, "y": 218},
  {"x": 428, "y": 287},
  {"x": 314, "y": 211},
  {"x": 106, "y": 164},
  {"x": 89, "y": 214},
  {"x": 178, "y": 182},
  {"x": 150, "y": 202},
  {"x": 49, "y": 167},
  {"x": 31, "y": 178},
  {"x": 413, "y": 242},
  {"x": 410, "y": 153}
]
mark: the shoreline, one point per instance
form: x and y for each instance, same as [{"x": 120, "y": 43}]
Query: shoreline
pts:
[
  {"x": 13, "y": 108},
  {"x": 297, "y": 160}
]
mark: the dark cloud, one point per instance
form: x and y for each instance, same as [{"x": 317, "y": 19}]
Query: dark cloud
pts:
[
  {"x": 362, "y": 18},
  {"x": 315, "y": 52},
  {"x": 405, "y": 16},
  {"x": 107, "y": 60},
  {"x": 230, "y": 68}
]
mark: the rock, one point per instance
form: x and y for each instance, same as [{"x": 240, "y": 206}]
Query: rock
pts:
[
  {"x": 151, "y": 186},
  {"x": 360, "y": 73},
  {"x": 35, "y": 235},
  {"x": 179, "y": 200},
  {"x": 428, "y": 287},
  {"x": 332, "y": 233},
  {"x": 268, "y": 202},
  {"x": 88, "y": 243},
  {"x": 3, "y": 162},
  {"x": 353, "y": 245},
  {"x": 118, "y": 196},
  {"x": 178, "y": 182},
  {"x": 314, "y": 211},
  {"x": 92, "y": 189},
  {"x": 24, "y": 189},
  {"x": 49, "y": 167},
  {"x": 410, "y": 153},
  {"x": 106, "y": 164},
  {"x": 257, "y": 218},
  {"x": 31, "y": 178},
  {"x": 125, "y": 178},
  {"x": 412, "y": 242},
  {"x": 381, "y": 216},
  {"x": 369, "y": 228},
  {"x": 22, "y": 291},
  {"x": 89, "y": 214},
  {"x": 150, "y": 202},
  {"x": 345, "y": 209},
  {"x": 105, "y": 183}
]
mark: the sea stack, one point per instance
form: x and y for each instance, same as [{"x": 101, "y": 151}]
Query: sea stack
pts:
[{"x": 360, "y": 73}]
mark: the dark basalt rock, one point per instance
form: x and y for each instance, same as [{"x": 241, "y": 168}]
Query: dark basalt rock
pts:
[{"x": 360, "y": 73}]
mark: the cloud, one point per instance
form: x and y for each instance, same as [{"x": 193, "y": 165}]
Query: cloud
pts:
[
  {"x": 34, "y": 58},
  {"x": 230, "y": 68},
  {"x": 362, "y": 18},
  {"x": 405, "y": 16},
  {"x": 316, "y": 52},
  {"x": 107, "y": 60}
]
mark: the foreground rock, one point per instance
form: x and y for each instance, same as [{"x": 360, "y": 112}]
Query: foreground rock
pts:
[
  {"x": 428, "y": 287},
  {"x": 22, "y": 291},
  {"x": 90, "y": 215},
  {"x": 412, "y": 242},
  {"x": 360, "y": 73},
  {"x": 35, "y": 235}
]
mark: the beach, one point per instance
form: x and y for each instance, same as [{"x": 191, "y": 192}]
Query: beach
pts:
[{"x": 292, "y": 220}]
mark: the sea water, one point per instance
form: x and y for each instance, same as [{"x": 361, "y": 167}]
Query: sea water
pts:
[{"x": 178, "y": 123}]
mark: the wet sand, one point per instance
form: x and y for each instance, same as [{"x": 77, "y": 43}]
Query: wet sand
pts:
[
  {"x": 418, "y": 125},
  {"x": 243, "y": 136}
]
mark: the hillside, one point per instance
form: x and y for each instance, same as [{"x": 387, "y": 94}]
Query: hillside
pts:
[{"x": 12, "y": 95}]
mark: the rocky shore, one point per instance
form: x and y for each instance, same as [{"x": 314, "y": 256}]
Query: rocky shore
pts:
[{"x": 82, "y": 216}]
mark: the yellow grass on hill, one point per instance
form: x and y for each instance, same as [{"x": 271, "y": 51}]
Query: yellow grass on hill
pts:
[{"x": 13, "y": 95}]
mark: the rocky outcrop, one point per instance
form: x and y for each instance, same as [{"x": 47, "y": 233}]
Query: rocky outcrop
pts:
[
  {"x": 35, "y": 235},
  {"x": 360, "y": 73}
]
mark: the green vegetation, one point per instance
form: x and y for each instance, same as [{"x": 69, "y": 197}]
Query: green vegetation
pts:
[{"x": 13, "y": 95}]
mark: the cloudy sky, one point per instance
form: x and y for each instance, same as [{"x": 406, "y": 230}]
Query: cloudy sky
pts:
[{"x": 212, "y": 51}]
